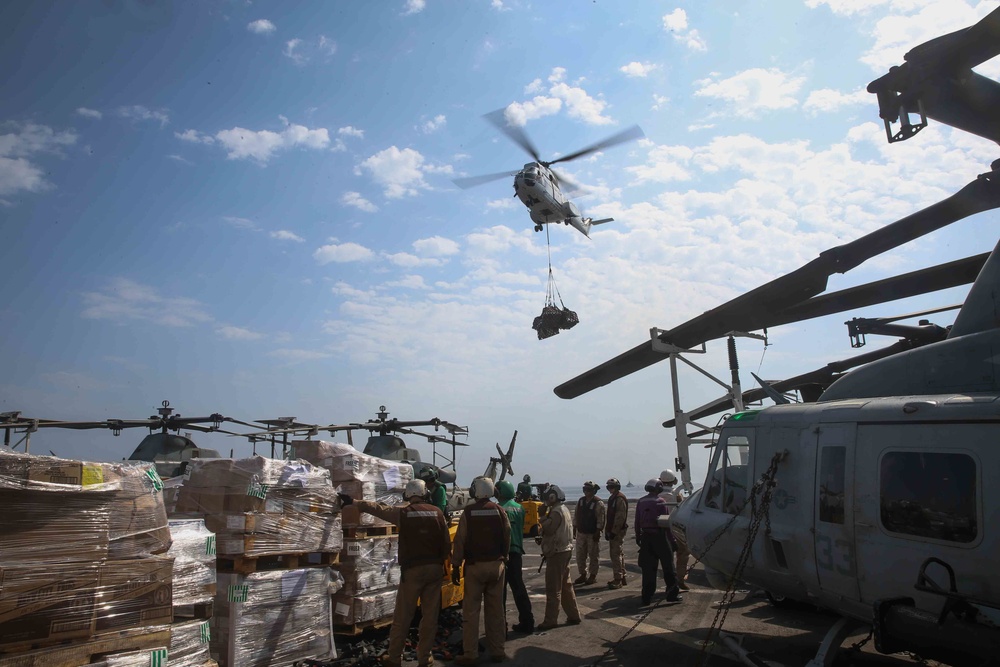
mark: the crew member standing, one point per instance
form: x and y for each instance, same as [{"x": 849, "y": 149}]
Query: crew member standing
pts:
[
  {"x": 524, "y": 488},
  {"x": 515, "y": 558},
  {"x": 588, "y": 523},
  {"x": 424, "y": 547},
  {"x": 435, "y": 490},
  {"x": 556, "y": 539},
  {"x": 654, "y": 547},
  {"x": 482, "y": 541},
  {"x": 614, "y": 531},
  {"x": 674, "y": 495}
]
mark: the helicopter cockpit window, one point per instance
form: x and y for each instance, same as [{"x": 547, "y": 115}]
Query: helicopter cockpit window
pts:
[
  {"x": 929, "y": 495},
  {"x": 729, "y": 475}
]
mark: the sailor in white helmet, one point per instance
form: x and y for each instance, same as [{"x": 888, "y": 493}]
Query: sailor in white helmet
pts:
[
  {"x": 424, "y": 549},
  {"x": 674, "y": 495}
]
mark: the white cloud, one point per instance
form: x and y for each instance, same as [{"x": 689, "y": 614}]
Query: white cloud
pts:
[
  {"x": 400, "y": 172},
  {"x": 20, "y": 148},
  {"x": 291, "y": 51},
  {"x": 905, "y": 28},
  {"x": 827, "y": 100},
  {"x": 505, "y": 204},
  {"x": 500, "y": 239},
  {"x": 414, "y": 7},
  {"x": 292, "y": 355},
  {"x": 519, "y": 113},
  {"x": 129, "y": 300},
  {"x": 89, "y": 113},
  {"x": 408, "y": 282},
  {"x": 285, "y": 235},
  {"x": 676, "y": 23},
  {"x": 753, "y": 91},
  {"x": 535, "y": 86},
  {"x": 660, "y": 102},
  {"x": 139, "y": 112},
  {"x": 436, "y": 246},
  {"x": 241, "y": 223},
  {"x": 411, "y": 261},
  {"x": 238, "y": 333},
  {"x": 578, "y": 103},
  {"x": 179, "y": 158},
  {"x": 357, "y": 201},
  {"x": 326, "y": 46},
  {"x": 195, "y": 137},
  {"x": 434, "y": 124},
  {"x": 262, "y": 145},
  {"x": 342, "y": 252},
  {"x": 350, "y": 131},
  {"x": 261, "y": 27},
  {"x": 499, "y": 6},
  {"x": 636, "y": 69},
  {"x": 581, "y": 105}
]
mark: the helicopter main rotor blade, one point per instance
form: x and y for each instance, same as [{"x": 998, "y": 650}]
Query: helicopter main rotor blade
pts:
[
  {"x": 472, "y": 181},
  {"x": 630, "y": 134},
  {"x": 760, "y": 307},
  {"x": 574, "y": 187},
  {"x": 498, "y": 119}
]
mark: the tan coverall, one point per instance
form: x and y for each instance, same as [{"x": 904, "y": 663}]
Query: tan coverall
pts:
[
  {"x": 484, "y": 585},
  {"x": 588, "y": 544},
  {"x": 616, "y": 536},
  {"x": 675, "y": 497},
  {"x": 417, "y": 582},
  {"x": 557, "y": 549}
]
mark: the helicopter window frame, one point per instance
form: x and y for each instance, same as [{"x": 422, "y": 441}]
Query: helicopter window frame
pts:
[
  {"x": 929, "y": 486},
  {"x": 728, "y": 481}
]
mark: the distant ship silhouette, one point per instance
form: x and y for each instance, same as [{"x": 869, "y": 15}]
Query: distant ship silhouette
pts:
[{"x": 630, "y": 484}]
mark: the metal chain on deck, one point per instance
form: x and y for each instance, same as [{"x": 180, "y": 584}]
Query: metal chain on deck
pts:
[{"x": 764, "y": 486}]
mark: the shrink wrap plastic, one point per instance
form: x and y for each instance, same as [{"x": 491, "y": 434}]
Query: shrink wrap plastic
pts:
[
  {"x": 260, "y": 506},
  {"x": 370, "y": 569},
  {"x": 193, "y": 550},
  {"x": 60, "y": 510},
  {"x": 351, "y": 609},
  {"x": 190, "y": 644},
  {"x": 358, "y": 475},
  {"x": 43, "y": 603},
  {"x": 155, "y": 657},
  {"x": 271, "y": 619}
]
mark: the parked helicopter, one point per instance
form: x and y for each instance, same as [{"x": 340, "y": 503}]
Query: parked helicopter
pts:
[
  {"x": 871, "y": 498},
  {"x": 538, "y": 186}
]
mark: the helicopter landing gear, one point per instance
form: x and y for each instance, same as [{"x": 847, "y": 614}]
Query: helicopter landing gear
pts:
[{"x": 538, "y": 228}]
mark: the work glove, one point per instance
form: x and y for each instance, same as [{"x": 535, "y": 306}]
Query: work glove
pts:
[
  {"x": 456, "y": 575},
  {"x": 345, "y": 499}
]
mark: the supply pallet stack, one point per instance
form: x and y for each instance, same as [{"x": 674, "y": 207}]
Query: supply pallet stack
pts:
[{"x": 83, "y": 578}]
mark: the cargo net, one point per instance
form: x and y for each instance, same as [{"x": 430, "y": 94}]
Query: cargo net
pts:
[{"x": 554, "y": 318}]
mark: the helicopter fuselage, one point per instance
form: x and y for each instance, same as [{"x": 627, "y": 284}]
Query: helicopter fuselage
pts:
[
  {"x": 538, "y": 189},
  {"x": 867, "y": 490}
]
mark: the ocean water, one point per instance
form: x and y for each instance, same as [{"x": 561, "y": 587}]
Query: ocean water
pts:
[{"x": 575, "y": 491}]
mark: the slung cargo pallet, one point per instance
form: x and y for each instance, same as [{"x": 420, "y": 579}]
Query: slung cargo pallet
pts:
[{"x": 72, "y": 654}]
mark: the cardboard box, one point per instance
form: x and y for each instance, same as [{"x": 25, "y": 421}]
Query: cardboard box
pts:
[
  {"x": 135, "y": 593},
  {"x": 47, "y": 602},
  {"x": 373, "y": 606}
]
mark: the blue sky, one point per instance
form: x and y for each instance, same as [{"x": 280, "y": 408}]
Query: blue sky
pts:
[{"x": 248, "y": 208}]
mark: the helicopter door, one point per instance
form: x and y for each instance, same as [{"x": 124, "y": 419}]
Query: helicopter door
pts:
[{"x": 833, "y": 518}]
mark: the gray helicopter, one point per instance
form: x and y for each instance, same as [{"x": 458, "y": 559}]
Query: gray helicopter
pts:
[{"x": 871, "y": 497}]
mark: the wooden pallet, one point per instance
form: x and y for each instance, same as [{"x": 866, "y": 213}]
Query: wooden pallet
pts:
[
  {"x": 358, "y": 628},
  {"x": 251, "y": 564},
  {"x": 362, "y": 531},
  {"x": 72, "y": 654}
]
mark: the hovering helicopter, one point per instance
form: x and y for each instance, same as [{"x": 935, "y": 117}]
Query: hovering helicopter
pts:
[
  {"x": 539, "y": 186},
  {"x": 169, "y": 451},
  {"x": 871, "y": 497}
]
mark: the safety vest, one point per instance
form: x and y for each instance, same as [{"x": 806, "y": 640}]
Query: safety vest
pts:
[
  {"x": 586, "y": 513},
  {"x": 614, "y": 502},
  {"x": 420, "y": 529},
  {"x": 484, "y": 540}
]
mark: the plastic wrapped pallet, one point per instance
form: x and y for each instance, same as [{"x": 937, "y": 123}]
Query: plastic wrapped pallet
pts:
[
  {"x": 81, "y": 652},
  {"x": 260, "y": 506},
  {"x": 60, "y": 510},
  {"x": 373, "y": 606},
  {"x": 370, "y": 552},
  {"x": 273, "y": 618},
  {"x": 358, "y": 475},
  {"x": 190, "y": 643},
  {"x": 365, "y": 579},
  {"x": 193, "y": 551},
  {"x": 154, "y": 657},
  {"x": 135, "y": 593}
]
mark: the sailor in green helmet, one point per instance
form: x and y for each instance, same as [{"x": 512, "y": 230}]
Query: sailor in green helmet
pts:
[{"x": 515, "y": 579}]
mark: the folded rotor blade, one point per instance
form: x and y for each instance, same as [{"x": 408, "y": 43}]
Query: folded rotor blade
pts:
[
  {"x": 630, "y": 134},
  {"x": 761, "y": 307},
  {"x": 498, "y": 119},
  {"x": 473, "y": 181}
]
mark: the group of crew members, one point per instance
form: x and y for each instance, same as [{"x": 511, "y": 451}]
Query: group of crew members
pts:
[{"x": 489, "y": 547}]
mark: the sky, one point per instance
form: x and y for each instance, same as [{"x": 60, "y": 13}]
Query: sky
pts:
[{"x": 248, "y": 208}]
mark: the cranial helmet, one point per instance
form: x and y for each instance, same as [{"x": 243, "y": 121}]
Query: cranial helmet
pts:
[
  {"x": 527, "y": 478},
  {"x": 415, "y": 488},
  {"x": 613, "y": 483},
  {"x": 505, "y": 490},
  {"x": 654, "y": 485},
  {"x": 481, "y": 488},
  {"x": 429, "y": 475},
  {"x": 554, "y": 495},
  {"x": 668, "y": 477},
  {"x": 590, "y": 486}
]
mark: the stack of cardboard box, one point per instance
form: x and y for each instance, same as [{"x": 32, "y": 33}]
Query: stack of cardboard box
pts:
[
  {"x": 370, "y": 569},
  {"x": 193, "y": 550},
  {"x": 79, "y": 560}
]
